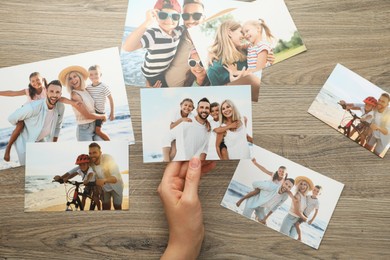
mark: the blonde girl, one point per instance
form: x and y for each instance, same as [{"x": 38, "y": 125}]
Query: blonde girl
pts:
[
  {"x": 258, "y": 48},
  {"x": 230, "y": 62}
]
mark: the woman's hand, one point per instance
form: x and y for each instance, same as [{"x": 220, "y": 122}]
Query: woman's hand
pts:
[
  {"x": 234, "y": 73},
  {"x": 178, "y": 192}
]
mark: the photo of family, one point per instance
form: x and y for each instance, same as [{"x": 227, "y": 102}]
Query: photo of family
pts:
[
  {"x": 77, "y": 176},
  {"x": 74, "y": 98},
  {"x": 356, "y": 108},
  {"x": 157, "y": 50},
  {"x": 213, "y": 123},
  {"x": 235, "y": 46},
  {"x": 283, "y": 195}
]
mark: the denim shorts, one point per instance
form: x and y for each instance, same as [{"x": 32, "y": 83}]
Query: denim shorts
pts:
[{"x": 86, "y": 132}]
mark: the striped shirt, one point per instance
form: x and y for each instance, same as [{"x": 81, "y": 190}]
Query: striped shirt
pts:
[
  {"x": 161, "y": 49},
  {"x": 253, "y": 52},
  {"x": 99, "y": 94}
]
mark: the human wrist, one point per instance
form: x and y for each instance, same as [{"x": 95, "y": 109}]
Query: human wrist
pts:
[{"x": 183, "y": 245}]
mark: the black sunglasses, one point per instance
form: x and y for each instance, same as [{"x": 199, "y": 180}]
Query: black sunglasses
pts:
[
  {"x": 193, "y": 63},
  {"x": 195, "y": 16},
  {"x": 164, "y": 15}
]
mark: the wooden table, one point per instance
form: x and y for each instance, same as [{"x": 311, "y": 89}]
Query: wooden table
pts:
[{"x": 355, "y": 33}]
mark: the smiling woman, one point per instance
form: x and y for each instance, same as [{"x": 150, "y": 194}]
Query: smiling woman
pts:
[
  {"x": 73, "y": 77},
  {"x": 235, "y": 138}
]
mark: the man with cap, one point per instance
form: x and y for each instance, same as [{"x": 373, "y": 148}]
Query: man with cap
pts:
[{"x": 42, "y": 119}]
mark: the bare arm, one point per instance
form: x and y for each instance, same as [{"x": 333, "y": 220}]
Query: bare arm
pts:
[
  {"x": 110, "y": 179},
  {"x": 223, "y": 129},
  {"x": 79, "y": 105},
  {"x": 177, "y": 122},
  {"x": 218, "y": 142},
  {"x": 262, "y": 168},
  {"x": 297, "y": 205},
  {"x": 261, "y": 61},
  {"x": 248, "y": 195},
  {"x": 13, "y": 93},
  {"x": 112, "y": 107},
  {"x": 133, "y": 41},
  {"x": 314, "y": 216},
  {"x": 88, "y": 179}
]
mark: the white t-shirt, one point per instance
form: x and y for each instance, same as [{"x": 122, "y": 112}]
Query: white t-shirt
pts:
[
  {"x": 212, "y": 151},
  {"x": 382, "y": 120},
  {"x": 312, "y": 204},
  {"x": 47, "y": 126},
  {"x": 237, "y": 143},
  {"x": 364, "y": 114},
  {"x": 84, "y": 176},
  {"x": 192, "y": 139}
]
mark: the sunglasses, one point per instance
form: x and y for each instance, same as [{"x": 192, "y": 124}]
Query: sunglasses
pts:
[
  {"x": 193, "y": 63},
  {"x": 195, "y": 16},
  {"x": 164, "y": 15}
]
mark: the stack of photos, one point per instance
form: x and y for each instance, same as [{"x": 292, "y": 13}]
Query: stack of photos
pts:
[
  {"x": 51, "y": 107},
  {"x": 85, "y": 165},
  {"x": 283, "y": 195},
  {"x": 214, "y": 123},
  {"x": 356, "y": 108},
  {"x": 230, "y": 47},
  {"x": 26, "y": 102}
]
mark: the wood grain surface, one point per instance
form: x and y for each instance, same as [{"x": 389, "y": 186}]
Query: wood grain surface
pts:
[{"x": 355, "y": 33}]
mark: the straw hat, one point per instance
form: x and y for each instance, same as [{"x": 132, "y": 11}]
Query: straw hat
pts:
[
  {"x": 307, "y": 180},
  {"x": 64, "y": 72}
]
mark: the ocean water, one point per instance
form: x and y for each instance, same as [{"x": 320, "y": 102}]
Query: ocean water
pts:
[
  {"x": 311, "y": 234},
  {"x": 131, "y": 63},
  {"x": 40, "y": 183},
  {"x": 119, "y": 129}
]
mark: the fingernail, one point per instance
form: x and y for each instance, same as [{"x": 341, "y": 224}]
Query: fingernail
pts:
[{"x": 194, "y": 163}]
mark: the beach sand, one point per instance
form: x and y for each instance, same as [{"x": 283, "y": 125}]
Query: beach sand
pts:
[
  {"x": 54, "y": 199},
  {"x": 327, "y": 113}
]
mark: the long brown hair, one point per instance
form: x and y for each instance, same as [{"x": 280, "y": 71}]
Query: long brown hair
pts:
[{"x": 31, "y": 90}]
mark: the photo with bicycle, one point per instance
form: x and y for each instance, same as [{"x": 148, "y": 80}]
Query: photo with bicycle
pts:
[
  {"x": 356, "y": 108},
  {"x": 77, "y": 176}
]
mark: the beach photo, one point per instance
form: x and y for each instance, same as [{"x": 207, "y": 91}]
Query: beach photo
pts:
[
  {"x": 356, "y": 108},
  {"x": 80, "y": 97},
  {"x": 283, "y": 195},
  {"x": 237, "y": 44},
  {"x": 72, "y": 176},
  {"x": 157, "y": 50},
  {"x": 213, "y": 123}
]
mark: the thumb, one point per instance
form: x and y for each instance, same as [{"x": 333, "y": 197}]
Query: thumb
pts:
[{"x": 192, "y": 179}]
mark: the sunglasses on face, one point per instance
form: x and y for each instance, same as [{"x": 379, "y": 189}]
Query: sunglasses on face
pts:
[
  {"x": 164, "y": 15},
  {"x": 193, "y": 63},
  {"x": 195, "y": 16}
]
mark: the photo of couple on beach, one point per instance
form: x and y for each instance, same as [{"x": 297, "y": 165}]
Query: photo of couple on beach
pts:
[
  {"x": 283, "y": 195},
  {"x": 213, "y": 123},
  {"x": 80, "y": 97},
  {"x": 356, "y": 108},
  {"x": 162, "y": 52},
  {"x": 77, "y": 176}
]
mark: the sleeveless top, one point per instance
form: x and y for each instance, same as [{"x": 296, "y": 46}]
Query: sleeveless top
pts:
[
  {"x": 237, "y": 143},
  {"x": 88, "y": 103}
]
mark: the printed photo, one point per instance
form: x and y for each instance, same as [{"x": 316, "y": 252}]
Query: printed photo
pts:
[
  {"x": 356, "y": 108},
  {"x": 213, "y": 123},
  {"x": 236, "y": 45},
  {"x": 157, "y": 50},
  {"x": 74, "y": 98},
  {"x": 74, "y": 176},
  {"x": 283, "y": 195}
]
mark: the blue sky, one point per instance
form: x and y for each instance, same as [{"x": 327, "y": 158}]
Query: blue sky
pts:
[
  {"x": 58, "y": 158},
  {"x": 349, "y": 86},
  {"x": 247, "y": 172},
  {"x": 17, "y": 78}
]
